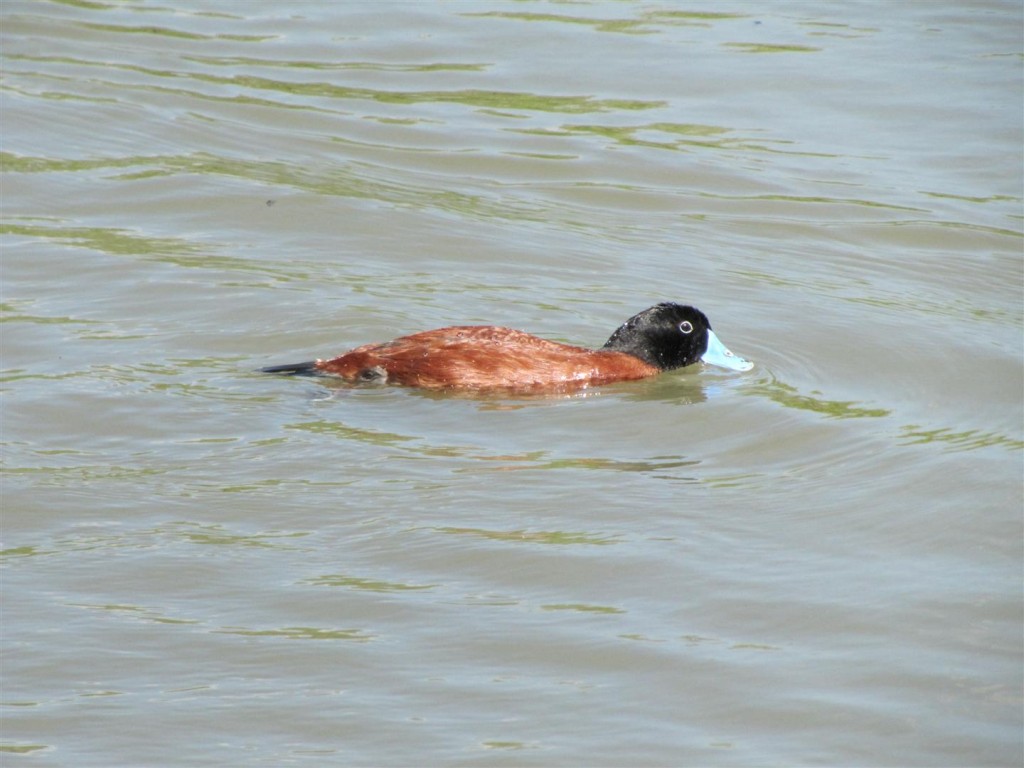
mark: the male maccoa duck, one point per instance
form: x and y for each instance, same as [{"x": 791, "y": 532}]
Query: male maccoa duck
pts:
[{"x": 486, "y": 357}]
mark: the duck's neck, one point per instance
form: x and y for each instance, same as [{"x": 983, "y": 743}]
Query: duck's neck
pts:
[{"x": 628, "y": 341}]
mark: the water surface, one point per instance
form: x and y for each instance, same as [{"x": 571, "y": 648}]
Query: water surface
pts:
[{"x": 817, "y": 562}]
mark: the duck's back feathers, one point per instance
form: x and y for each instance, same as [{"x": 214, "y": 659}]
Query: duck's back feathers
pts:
[{"x": 478, "y": 357}]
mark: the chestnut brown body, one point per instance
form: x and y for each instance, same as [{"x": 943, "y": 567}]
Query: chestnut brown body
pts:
[{"x": 484, "y": 357}]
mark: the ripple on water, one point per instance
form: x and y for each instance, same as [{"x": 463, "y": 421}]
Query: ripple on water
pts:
[{"x": 299, "y": 570}]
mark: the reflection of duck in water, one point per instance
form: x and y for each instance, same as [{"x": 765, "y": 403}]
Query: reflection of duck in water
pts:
[{"x": 486, "y": 357}]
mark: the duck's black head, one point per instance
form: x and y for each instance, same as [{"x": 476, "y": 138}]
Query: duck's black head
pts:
[{"x": 673, "y": 336}]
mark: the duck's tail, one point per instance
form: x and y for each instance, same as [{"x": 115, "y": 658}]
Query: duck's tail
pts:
[{"x": 295, "y": 369}]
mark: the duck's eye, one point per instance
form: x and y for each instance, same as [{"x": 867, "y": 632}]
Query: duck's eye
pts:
[{"x": 686, "y": 327}]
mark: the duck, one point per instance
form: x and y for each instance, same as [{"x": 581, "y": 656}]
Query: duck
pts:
[{"x": 662, "y": 338}]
